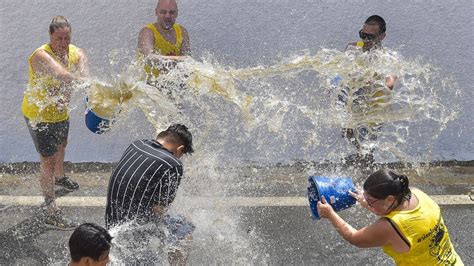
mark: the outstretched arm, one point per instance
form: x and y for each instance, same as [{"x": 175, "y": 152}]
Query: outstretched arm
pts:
[{"x": 374, "y": 235}]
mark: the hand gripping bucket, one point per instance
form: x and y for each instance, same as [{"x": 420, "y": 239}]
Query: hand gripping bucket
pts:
[
  {"x": 96, "y": 123},
  {"x": 335, "y": 190}
]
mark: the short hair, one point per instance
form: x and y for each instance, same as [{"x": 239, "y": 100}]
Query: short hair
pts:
[
  {"x": 89, "y": 240},
  {"x": 384, "y": 183},
  {"x": 377, "y": 20},
  {"x": 178, "y": 134},
  {"x": 58, "y": 22}
]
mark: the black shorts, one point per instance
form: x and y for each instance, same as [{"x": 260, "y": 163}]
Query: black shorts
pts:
[{"x": 48, "y": 136}]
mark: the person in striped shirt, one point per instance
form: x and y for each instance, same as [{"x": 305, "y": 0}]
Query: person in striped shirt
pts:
[{"x": 145, "y": 181}]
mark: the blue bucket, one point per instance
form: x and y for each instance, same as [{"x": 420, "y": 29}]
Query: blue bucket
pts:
[
  {"x": 335, "y": 190},
  {"x": 95, "y": 123}
]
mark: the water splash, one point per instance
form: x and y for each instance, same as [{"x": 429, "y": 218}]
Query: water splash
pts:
[{"x": 292, "y": 110}]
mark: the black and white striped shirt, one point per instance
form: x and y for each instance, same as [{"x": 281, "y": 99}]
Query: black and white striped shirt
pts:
[{"x": 146, "y": 175}]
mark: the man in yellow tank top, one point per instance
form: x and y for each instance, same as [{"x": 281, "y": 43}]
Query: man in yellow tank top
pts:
[
  {"x": 410, "y": 229},
  {"x": 163, "y": 43},
  {"x": 52, "y": 69},
  {"x": 371, "y": 35}
]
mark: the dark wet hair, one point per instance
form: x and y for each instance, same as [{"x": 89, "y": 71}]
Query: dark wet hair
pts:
[
  {"x": 384, "y": 183},
  {"x": 89, "y": 240},
  {"x": 377, "y": 20},
  {"x": 178, "y": 134},
  {"x": 58, "y": 22}
]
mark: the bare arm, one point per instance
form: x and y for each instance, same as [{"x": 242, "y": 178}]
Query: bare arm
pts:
[
  {"x": 146, "y": 42},
  {"x": 185, "y": 47},
  {"x": 42, "y": 62},
  {"x": 377, "y": 234},
  {"x": 83, "y": 68}
]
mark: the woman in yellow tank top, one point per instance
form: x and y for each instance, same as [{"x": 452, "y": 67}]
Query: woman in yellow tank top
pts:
[
  {"x": 52, "y": 69},
  {"x": 411, "y": 229}
]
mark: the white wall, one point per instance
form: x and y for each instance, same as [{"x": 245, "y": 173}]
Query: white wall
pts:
[{"x": 238, "y": 33}]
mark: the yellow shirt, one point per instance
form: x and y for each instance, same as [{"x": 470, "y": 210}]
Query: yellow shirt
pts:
[
  {"x": 426, "y": 233},
  {"x": 38, "y": 104},
  {"x": 164, "y": 47}
]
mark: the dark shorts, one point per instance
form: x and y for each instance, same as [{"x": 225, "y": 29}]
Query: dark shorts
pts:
[{"x": 48, "y": 136}]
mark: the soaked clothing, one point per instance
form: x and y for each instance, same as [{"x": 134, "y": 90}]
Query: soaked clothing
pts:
[
  {"x": 46, "y": 100},
  {"x": 47, "y": 137},
  {"x": 423, "y": 229},
  {"x": 150, "y": 242},
  {"x": 163, "y": 47},
  {"x": 365, "y": 106},
  {"x": 364, "y": 100},
  {"x": 146, "y": 175}
]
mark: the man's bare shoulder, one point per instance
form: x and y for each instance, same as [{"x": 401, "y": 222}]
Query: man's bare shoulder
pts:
[
  {"x": 183, "y": 28},
  {"x": 147, "y": 31},
  {"x": 81, "y": 51},
  {"x": 351, "y": 44}
]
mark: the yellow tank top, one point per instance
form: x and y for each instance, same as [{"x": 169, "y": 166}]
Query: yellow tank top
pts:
[
  {"x": 426, "y": 233},
  {"x": 164, "y": 47},
  {"x": 37, "y": 105}
]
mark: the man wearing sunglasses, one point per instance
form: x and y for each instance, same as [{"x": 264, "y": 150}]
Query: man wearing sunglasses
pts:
[
  {"x": 371, "y": 34},
  {"x": 366, "y": 99}
]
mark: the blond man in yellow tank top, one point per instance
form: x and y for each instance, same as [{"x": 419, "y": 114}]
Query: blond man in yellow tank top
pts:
[
  {"x": 165, "y": 42},
  {"x": 52, "y": 69}
]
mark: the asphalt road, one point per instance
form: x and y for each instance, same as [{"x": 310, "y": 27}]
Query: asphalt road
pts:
[{"x": 229, "y": 229}]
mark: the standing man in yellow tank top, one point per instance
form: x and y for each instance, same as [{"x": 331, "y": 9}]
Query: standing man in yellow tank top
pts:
[
  {"x": 53, "y": 68},
  {"x": 163, "y": 43}
]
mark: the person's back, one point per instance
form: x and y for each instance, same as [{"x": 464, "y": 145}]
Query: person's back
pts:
[{"x": 146, "y": 175}]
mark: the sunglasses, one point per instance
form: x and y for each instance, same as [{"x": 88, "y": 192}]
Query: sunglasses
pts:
[{"x": 367, "y": 36}]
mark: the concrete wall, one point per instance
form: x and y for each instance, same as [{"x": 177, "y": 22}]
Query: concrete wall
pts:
[{"x": 238, "y": 33}]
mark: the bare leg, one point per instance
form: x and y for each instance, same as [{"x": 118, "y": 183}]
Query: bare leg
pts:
[
  {"x": 59, "y": 162},
  {"x": 177, "y": 258},
  {"x": 47, "y": 180}
]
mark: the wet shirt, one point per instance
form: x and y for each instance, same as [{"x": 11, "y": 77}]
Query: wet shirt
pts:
[
  {"x": 146, "y": 175},
  {"x": 163, "y": 47},
  {"x": 423, "y": 229},
  {"x": 39, "y": 104}
]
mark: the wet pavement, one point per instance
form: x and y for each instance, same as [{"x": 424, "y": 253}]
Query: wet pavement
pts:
[{"x": 251, "y": 230}]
